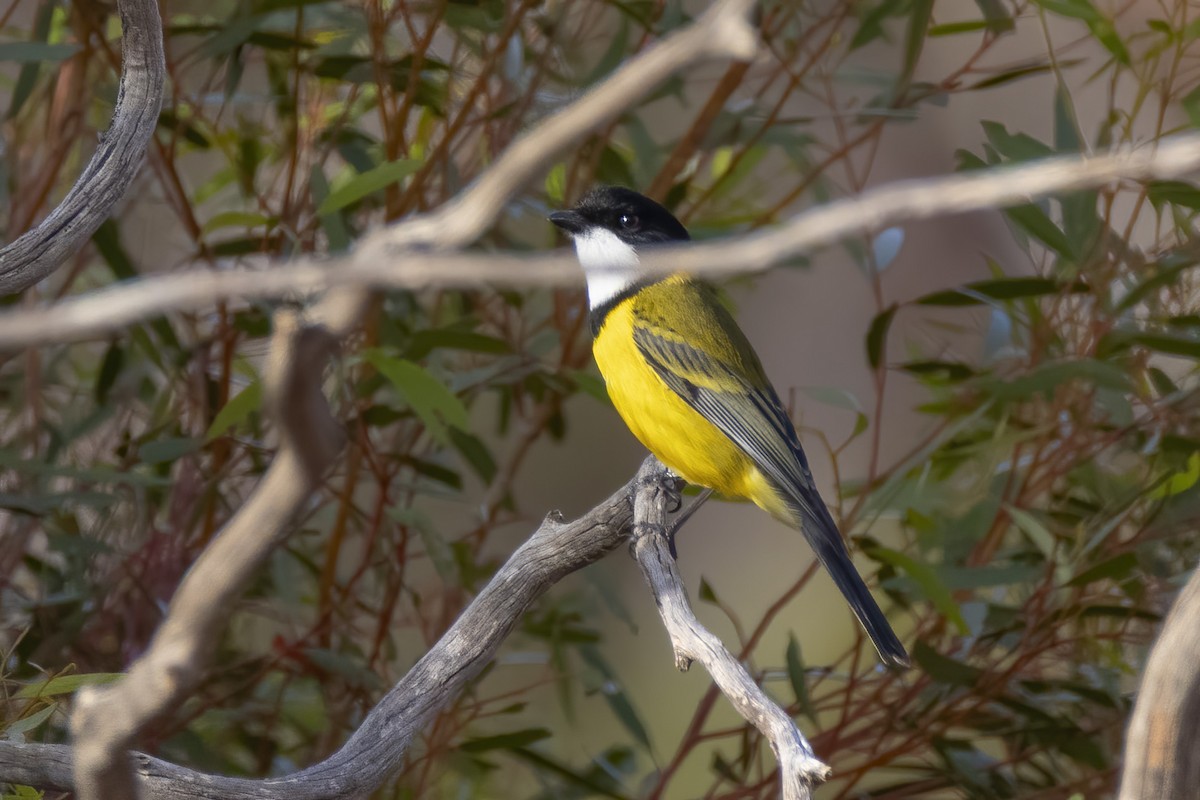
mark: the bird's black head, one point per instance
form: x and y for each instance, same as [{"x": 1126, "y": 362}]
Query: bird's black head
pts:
[{"x": 634, "y": 218}]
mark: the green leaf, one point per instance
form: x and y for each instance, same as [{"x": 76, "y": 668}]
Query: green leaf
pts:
[
  {"x": 927, "y": 581},
  {"x": 1166, "y": 274},
  {"x": 618, "y": 43},
  {"x": 591, "y": 783},
  {"x": 799, "y": 679},
  {"x": 1177, "y": 193},
  {"x": 110, "y": 368},
  {"x": 953, "y": 28},
  {"x": 944, "y": 669},
  {"x": 333, "y": 224},
  {"x": 1181, "y": 481},
  {"x": 161, "y": 451},
  {"x": 236, "y": 219},
  {"x": 348, "y": 667},
  {"x": 368, "y": 182},
  {"x": 27, "y": 77},
  {"x": 34, "y": 52},
  {"x": 1045, "y": 379},
  {"x": 505, "y": 741},
  {"x": 1008, "y": 76},
  {"x": 979, "y": 292},
  {"x": 1074, "y": 9},
  {"x": 436, "y": 546},
  {"x": 1106, "y": 33},
  {"x": 556, "y": 184},
  {"x": 66, "y": 684},
  {"x": 617, "y": 698},
  {"x": 919, "y": 14},
  {"x": 706, "y": 593},
  {"x": 591, "y": 385},
  {"x": 1161, "y": 342},
  {"x": 26, "y": 724},
  {"x": 1015, "y": 146},
  {"x": 475, "y": 453},
  {"x": 1101, "y": 27},
  {"x": 236, "y": 411},
  {"x": 1191, "y": 105},
  {"x": 429, "y": 398},
  {"x": 1038, "y": 224},
  {"x": 944, "y": 370},
  {"x": 1117, "y": 569},
  {"x": 877, "y": 335},
  {"x": 871, "y": 26},
  {"x": 426, "y": 341},
  {"x": 833, "y": 396},
  {"x": 1033, "y": 528},
  {"x": 997, "y": 16}
]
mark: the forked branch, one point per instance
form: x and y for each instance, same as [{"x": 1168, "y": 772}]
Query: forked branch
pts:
[{"x": 799, "y": 768}]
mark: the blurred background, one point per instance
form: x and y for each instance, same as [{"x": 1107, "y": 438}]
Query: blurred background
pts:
[{"x": 998, "y": 406}]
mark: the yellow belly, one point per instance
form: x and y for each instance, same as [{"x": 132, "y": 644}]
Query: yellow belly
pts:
[{"x": 682, "y": 439}]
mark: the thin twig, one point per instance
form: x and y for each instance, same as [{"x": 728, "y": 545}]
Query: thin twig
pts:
[{"x": 380, "y": 264}]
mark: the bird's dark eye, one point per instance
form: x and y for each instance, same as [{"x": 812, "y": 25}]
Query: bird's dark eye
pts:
[{"x": 628, "y": 222}]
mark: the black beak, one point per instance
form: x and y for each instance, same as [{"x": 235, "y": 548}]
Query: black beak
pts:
[{"x": 570, "y": 221}]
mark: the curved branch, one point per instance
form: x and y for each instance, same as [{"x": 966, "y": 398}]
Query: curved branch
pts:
[
  {"x": 376, "y": 750},
  {"x": 1162, "y": 753},
  {"x": 799, "y": 768},
  {"x": 106, "y": 178},
  {"x": 377, "y": 265}
]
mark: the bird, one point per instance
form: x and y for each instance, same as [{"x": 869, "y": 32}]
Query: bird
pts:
[{"x": 689, "y": 385}]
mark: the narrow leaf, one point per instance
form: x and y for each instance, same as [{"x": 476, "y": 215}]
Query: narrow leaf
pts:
[
  {"x": 877, "y": 335},
  {"x": 366, "y": 183}
]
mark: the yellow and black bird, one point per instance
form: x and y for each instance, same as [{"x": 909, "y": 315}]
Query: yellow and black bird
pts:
[{"x": 691, "y": 388}]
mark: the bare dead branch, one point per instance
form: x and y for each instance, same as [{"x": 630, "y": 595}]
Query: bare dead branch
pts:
[
  {"x": 376, "y": 265},
  {"x": 799, "y": 768},
  {"x": 376, "y": 750},
  {"x": 1162, "y": 760},
  {"x": 106, "y": 721},
  {"x": 106, "y": 178}
]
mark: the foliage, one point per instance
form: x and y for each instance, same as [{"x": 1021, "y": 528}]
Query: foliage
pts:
[{"x": 1046, "y": 517}]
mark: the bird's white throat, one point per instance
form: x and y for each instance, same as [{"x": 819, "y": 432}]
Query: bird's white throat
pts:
[{"x": 610, "y": 264}]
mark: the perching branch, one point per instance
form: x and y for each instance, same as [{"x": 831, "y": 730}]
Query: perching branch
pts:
[
  {"x": 105, "y": 179},
  {"x": 377, "y": 748},
  {"x": 1162, "y": 760},
  {"x": 376, "y": 264},
  {"x": 799, "y": 768}
]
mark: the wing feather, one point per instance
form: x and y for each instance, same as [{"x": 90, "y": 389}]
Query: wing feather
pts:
[
  {"x": 702, "y": 356},
  {"x": 746, "y": 410}
]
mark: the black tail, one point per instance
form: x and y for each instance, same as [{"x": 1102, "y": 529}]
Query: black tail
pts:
[{"x": 819, "y": 529}]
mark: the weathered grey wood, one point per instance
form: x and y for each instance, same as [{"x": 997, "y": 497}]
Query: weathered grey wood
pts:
[
  {"x": 106, "y": 178},
  {"x": 376, "y": 750},
  {"x": 1162, "y": 748},
  {"x": 799, "y": 768}
]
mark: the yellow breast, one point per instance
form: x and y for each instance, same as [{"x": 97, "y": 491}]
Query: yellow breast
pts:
[{"x": 669, "y": 428}]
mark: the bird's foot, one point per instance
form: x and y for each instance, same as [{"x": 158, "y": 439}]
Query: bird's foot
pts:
[{"x": 683, "y": 517}]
